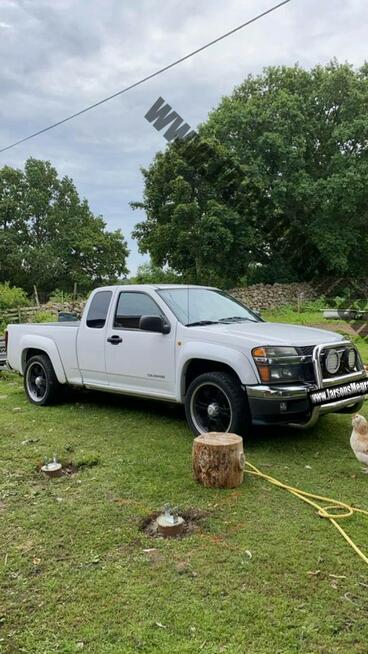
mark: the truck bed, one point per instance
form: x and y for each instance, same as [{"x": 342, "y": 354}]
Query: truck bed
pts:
[{"x": 40, "y": 335}]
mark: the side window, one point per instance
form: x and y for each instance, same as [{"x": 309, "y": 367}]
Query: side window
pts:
[
  {"x": 98, "y": 309},
  {"x": 131, "y": 306}
]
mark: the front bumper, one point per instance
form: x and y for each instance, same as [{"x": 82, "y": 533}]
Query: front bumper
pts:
[{"x": 291, "y": 405}]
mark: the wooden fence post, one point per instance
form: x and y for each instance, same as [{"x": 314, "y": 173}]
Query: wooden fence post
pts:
[{"x": 36, "y": 296}]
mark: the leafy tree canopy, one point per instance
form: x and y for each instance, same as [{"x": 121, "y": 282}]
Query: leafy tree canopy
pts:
[
  {"x": 50, "y": 237},
  {"x": 275, "y": 186},
  {"x": 148, "y": 273}
]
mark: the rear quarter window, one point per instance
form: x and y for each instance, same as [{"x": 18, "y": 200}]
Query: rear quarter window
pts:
[{"x": 97, "y": 312}]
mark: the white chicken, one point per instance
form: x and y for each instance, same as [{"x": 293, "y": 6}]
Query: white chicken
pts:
[{"x": 359, "y": 440}]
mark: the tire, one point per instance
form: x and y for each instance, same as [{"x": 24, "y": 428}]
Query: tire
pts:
[
  {"x": 215, "y": 401},
  {"x": 40, "y": 382}
]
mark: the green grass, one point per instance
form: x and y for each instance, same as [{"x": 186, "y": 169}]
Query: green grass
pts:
[{"x": 74, "y": 573}]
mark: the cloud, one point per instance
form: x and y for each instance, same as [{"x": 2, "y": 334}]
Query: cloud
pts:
[{"x": 56, "y": 58}]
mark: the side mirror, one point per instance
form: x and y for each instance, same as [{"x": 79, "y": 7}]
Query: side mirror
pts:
[{"x": 154, "y": 324}]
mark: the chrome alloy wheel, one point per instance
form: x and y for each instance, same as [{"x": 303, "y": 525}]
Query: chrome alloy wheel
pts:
[
  {"x": 210, "y": 408},
  {"x": 36, "y": 381}
]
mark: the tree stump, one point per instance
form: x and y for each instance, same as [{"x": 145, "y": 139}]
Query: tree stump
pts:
[{"x": 218, "y": 460}]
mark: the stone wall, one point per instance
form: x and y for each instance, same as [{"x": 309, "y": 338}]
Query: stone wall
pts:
[{"x": 271, "y": 296}]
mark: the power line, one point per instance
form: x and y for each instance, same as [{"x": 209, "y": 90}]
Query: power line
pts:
[{"x": 148, "y": 77}]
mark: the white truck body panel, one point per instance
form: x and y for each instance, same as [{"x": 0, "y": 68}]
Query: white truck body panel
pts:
[
  {"x": 148, "y": 363},
  {"x": 57, "y": 340}
]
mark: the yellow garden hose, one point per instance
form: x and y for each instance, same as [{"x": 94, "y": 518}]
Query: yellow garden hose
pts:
[{"x": 323, "y": 511}]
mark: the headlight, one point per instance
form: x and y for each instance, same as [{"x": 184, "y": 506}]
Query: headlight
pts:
[
  {"x": 351, "y": 359},
  {"x": 332, "y": 362},
  {"x": 278, "y": 364}
]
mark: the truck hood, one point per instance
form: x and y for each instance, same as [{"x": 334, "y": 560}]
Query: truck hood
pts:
[{"x": 272, "y": 333}]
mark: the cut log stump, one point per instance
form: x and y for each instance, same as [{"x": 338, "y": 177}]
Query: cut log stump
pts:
[{"x": 218, "y": 460}]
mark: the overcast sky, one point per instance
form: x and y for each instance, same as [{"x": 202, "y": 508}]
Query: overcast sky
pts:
[{"x": 59, "y": 56}]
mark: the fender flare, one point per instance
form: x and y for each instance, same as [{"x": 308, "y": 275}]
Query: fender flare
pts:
[
  {"x": 236, "y": 360},
  {"x": 46, "y": 345}
]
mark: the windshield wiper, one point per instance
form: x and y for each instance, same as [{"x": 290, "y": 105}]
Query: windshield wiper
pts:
[
  {"x": 235, "y": 319},
  {"x": 202, "y": 322}
]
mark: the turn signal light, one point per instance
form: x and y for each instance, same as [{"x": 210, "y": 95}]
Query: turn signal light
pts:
[
  {"x": 264, "y": 373},
  {"x": 259, "y": 352}
]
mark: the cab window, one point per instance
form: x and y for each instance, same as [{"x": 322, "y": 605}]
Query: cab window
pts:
[{"x": 131, "y": 306}]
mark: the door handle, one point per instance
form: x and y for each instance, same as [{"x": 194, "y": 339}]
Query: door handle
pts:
[{"x": 115, "y": 340}]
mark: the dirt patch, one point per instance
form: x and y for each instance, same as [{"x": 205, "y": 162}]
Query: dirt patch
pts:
[
  {"x": 70, "y": 468},
  {"x": 193, "y": 519},
  {"x": 67, "y": 470}
]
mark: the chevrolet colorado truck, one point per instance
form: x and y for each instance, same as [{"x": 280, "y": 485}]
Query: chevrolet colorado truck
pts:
[{"x": 193, "y": 345}]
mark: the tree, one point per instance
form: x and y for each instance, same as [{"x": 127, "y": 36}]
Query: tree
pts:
[
  {"x": 274, "y": 187},
  {"x": 49, "y": 237},
  {"x": 148, "y": 273},
  {"x": 193, "y": 224}
]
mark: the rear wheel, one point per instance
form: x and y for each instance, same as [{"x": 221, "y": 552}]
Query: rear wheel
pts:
[
  {"x": 215, "y": 401},
  {"x": 40, "y": 382}
]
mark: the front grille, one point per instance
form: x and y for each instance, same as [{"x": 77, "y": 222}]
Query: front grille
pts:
[
  {"x": 306, "y": 350},
  {"x": 307, "y": 364}
]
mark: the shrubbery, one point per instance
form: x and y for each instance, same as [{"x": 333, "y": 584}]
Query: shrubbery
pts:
[
  {"x": 59, "y": 297},
  {"x": 12, "y": 297},
  {"x": 149, "y": 273},
  {"x": 44, "y": 316}
]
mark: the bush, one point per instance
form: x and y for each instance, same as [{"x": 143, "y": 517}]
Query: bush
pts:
[
  {"x": 314, "y": 305},
  {"x": 148, "y": 273},
  {"x": 349, "y": 303},
  {"x": 44, "y": 316},
  {"x": 12, "y": 297},
  {"x": 59, "y": 297}
]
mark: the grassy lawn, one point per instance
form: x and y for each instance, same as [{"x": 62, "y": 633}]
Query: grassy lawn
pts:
[{"x": 263, "y": 574}]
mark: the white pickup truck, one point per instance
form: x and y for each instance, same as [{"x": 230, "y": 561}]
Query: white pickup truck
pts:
[{"x": 192, "y": 345}]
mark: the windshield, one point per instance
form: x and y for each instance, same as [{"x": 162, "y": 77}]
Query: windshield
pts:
[{"x": 193, "y": 306}]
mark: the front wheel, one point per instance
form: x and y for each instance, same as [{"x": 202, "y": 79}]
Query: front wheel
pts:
[
  {"x": 215, "y": 401},
  {"x": 40, "y": 382}
]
